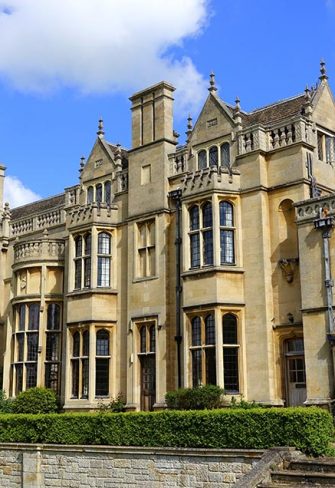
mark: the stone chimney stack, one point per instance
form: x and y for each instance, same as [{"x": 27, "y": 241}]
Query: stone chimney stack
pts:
[{"x": 152, "y": 115}]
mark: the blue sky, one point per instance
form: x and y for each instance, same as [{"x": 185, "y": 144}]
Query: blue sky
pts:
[{"x": 65, "y": 63}]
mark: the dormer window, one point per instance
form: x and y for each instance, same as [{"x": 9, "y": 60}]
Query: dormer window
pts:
[
  {"x": 213, "y": 156},
  {"x": 202, "y": 159},
  {"x": 98, "y": 193},
  {"x": 225, "y": 154},
  {"x": 108, "y": 192},
  {"x": 90, "y": 194}
]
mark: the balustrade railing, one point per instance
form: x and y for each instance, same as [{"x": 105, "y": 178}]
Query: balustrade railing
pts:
[
  {"x": 37, "y": 222},
  {"x": 39, "y": 250}
]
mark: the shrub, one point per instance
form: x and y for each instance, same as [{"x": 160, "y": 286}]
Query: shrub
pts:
[
  {"x": 35, "y": 400},
  {"x": 307, "y": 429},
  {"x": 245, "y": 404},
  {"x": 6, "y": 405},
  {"x": 198, "y": 398},
  {"x": 116, "y": 405}
]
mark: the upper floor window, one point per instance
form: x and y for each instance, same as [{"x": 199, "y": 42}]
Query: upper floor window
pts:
[
  {"x": 146, "y": 249},
  {"x": 53, "y": 344},
  {"x": 326, "y": 147},
  {"x": 101, "y": 192},
  {"x": 213, "y": 156},
  {"x": 98, "y": 193},
  {"x": 201, "y": 235},
  {"x": 108, "y": 193},
  {"x": 90, "y": 194},
  {"x": 227, "y": 254},
  {"x": 83, "y": 261},
  {"x": 104, "y": 258},
  {"x": 202, "y": 159},
  {"x": 225, "y": 154}
]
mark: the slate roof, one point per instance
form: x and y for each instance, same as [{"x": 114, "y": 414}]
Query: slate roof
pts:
[
  {"x": 38, "y": 207},
  {"x": 274, "y": 112}
]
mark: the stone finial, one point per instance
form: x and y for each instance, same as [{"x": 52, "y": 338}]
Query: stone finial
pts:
[
  {"x": 237, "y": 114},
  {"x": 212, "y": 85},
  {"x": 82, "y": 164},
  {"x": 189, "y": 128},
  {"x": 118, "y": 156},
  {"x": 101, "y": 131},
  {"x": 6, "y": 210},
  {"x": 237, "y": 108},
  {"x": 307, "y": 94},
  {"x": 323, "y": 71}
]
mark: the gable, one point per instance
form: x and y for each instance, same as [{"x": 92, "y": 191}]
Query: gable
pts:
[
  {"x": 214, "y": 121},
  {"x": 99, "y": 163},
  {"x": 324, "y": 108}
]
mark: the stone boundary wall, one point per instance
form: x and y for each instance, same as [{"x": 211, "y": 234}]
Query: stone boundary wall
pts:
[{"x": 46, "y": 466}]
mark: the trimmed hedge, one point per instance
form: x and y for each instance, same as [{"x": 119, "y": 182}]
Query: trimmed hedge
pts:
[
  {"x": 308, "y": 429},
  {"x": 197, "y": 398}
]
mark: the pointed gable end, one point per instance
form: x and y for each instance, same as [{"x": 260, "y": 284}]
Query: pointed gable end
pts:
[
  {"x": 100, "y": 161},
  {"x": 215, "y": 120},
  {"x": 323, "y": 103}
]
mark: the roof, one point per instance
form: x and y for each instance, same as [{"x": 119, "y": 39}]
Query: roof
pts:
[
  {"x": 38, "y": 207},
  {"x": 275, "y": 112}
]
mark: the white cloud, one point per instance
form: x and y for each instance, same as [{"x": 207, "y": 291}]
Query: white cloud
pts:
[
  {"x": 100, "y": 45},
  {"x": 16, "y": 194}
]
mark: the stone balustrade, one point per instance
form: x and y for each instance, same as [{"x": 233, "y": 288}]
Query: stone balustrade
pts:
[
  {"x": 178, "y": 162},
  {"x": 37, "y": 222},
  {"x": 92, "y": 213},
  {"x": 39, "y": 250},
  {"x": 315, "y": 208},
  {"x": 211, "y": 178}
]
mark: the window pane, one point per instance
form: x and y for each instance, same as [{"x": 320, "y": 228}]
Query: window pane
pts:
[
  {"x": 102, "y": 377},
  {"x": 75, "y": 378},
  {"x": 196, "y": 367},
  {"x": 90, "y": 192},
  {"x": 230, "y": 364},
  {"x": 210, "y": 366},
  {"x": 329, "y": 149},
  {"x": 225, "y": 154},
  {"x": 152, "y": 334},
  {"x": 19, "y": 378},
  {"x": 85, "y": 378},
  {"x": 226, "y": 214},
  {"x": 143, "y": 339},
  {"x": 208, "y": 247},
  {"x": 227, "y": 246},
  {"x": 102, "y": 343},
  {"x": 77, "y": 272},
  {"x": 229, "y": 333},
  {"x": 53, "y": 322},
  {"x": 51, "y": 376},
  {"x": 20, "y": 347},
  {"x": 194, "y": 218},
  {"x": 108, "y": 192},
  {"x": 52, "y": 347},
  {"x": 196, "y": 331},
  {"x": 320, "y": 146},
  {"x": 87, "y": 272},
  {"x": 295, "y": 345},
  {"x": 34, "y": 316},
  {"x": 86, "y": 343},
  {"x": 79, "y": 246},
  {"x": 76, "y": 345},
  {"x": 32, "y": 346},
  {"x": 209, "y": 330},
  {"x": 31, "y": 375},
  {"x": 195, "y": 250},
  {"x": 213, "y": 156},
  {"x": 103, "y": 271},
  {"x": 88, "y": 242},
  {"x": 22, "y": 317},
  {"x": 104, "y": 243},
  {"x": 98, "y": 193},
  {"x": 202, "y": 160},
  {"x": 207, "y": 219}
]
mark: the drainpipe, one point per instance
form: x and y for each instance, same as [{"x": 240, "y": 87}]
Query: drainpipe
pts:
[
  {"x": 176, "y": 197},
  {"x": 326, "y": 224}
]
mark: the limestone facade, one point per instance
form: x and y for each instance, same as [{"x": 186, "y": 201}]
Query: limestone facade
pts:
[{"x": 172, "y": 265}]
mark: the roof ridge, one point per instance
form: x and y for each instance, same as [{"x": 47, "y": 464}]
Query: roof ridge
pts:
[
  {"x": 273, "y": 104},
  {"x": 40, "y": 200}
]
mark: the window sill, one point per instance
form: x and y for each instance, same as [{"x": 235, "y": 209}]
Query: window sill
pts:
[
  {"x": 232, "y": 268},
  {"x": 145, "y": 278},
  {"x": 92, "y": 291}
]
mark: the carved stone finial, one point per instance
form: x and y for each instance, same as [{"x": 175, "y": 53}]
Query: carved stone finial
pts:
[
  {"x": 118, "y": 156},
  {"x": 82, "y": 164},
  {"x": 212, "y": 85},
  {"x": 189, "y": 122},
  {"x": 323, "y": 71},
  {"x": 101, "y": 131},
  {"x": 307, "y": 94},
  {"x": 45, "y": 234}
]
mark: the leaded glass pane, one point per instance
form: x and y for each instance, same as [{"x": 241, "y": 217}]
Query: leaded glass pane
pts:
[
  {"x": 98, "y": 193},
  {"x": 76, "y": 345},
  {"x": 53, "y": 321},
  {"x": 90, "y": 194},
  {"x": 33, "y": 316},
  {"x": 213, "y": 156},
  {"x": 51, "y": 376},
  {"x": 102, "y": 346},
  {"x": 19, "y": 378},
  {"x": 22, "y": 317},
  {"x": 20, "y": 347},
  {"x": 196, "y": 331},
  {"x": 102, "y": 377},
  {"x": 152, "y": 336},
  {"x": 195, "y": 250},
  {"x": 210, "y": 330},
  {"x": 31, "y": 375},
  {"x": 196, "y": 367},
  {"x": 32, "y": 346},
  {"x": 227, "y": 246},
  {"x": 86, "y": 343},
  {"x": 202, "y": 160},
  {"x": 210, "y": 366},
  {"x": 230, "y": 364},
  {"x": 79, "y": 246},
  {"x": 229, "y": 333},
  {"x": 85, "y": 377},
  {"x": 87, "y": 272},
  {"x": 103, "y": 271},
  {"x": 194, "y": 218},
  {"x": 77, "y": 273},
  {"x": 143, "y": 339},
  {"x": 88, "y": 244},
  {"x": 75, "y": 378},
  {"x": 108, "y": 192},
  {"x": 226, "y": 214},
  {"x": 225, "y": 154},
  {"x": 52, "y": 347},
  {"x": 208, "y": 247},
  {"x": 104, "y": 240},
  {"x": 207, "y": 218}
]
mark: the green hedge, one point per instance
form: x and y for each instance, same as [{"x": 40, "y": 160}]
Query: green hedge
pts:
[
  {"x": 197, "y": 398},
  {"x": 308, "y": 429}
]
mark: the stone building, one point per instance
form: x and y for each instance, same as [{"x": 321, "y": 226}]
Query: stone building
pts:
[{"x": 171, "y": 265}]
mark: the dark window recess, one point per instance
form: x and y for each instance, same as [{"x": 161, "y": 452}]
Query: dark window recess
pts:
[
  {"x": 51, "y": 376},
  {"x": 75, "y": 378},
  {"x": 31, "y": 375},
  {"x": 102, "y": 343},
  {"x": 101, "y": 377}
]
